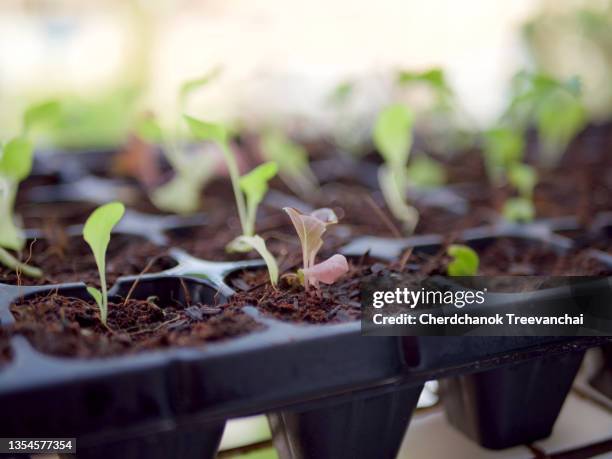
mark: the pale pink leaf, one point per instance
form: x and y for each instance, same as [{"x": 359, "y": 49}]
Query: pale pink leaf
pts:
[{"x": 327, "y": 271}]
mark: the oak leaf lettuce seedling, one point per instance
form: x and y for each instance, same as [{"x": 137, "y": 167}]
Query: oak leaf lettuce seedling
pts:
[
  {"x": 465, "y": 260},
  {"x": 310, "y": 229},
  {"x": 97, "y": 232}
]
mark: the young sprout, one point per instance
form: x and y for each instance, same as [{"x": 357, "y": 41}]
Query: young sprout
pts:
[
  {"x": 249, "y": 190},
  {"x": 521, "y": 209},
  {"x": 502, "y": 148},
  {"x": 435, "y": 80},
  {"x": 464, "y": 261},
  {"x": 15, "y": 166},
  {"x": 192, "y": 171},
  {"x": 554, "y": 106},
  {"x": 97, "y": 232},
  {"x": 424, "y": 172},
  {"x": 393, "y": 139},
  {"x": 310, "y": 229},
  {"x": 292, "y": 160},
  {"x": 16, "y": 158}
]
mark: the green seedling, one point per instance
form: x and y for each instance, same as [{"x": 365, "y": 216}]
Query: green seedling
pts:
[
  {"x": 519, "y": 209},
  {"x": 15, "y": 166},
  {"x": 465, "y": 260},
  {"x": 292, "y": 161},
  {"x": 524, "y": 179},
  {"x": 192, "y": 171},
  {"x": 553, "y": 106},
  {"x": 502, "y": 148},
  {"x": 393, "y": 139},
  {"x": 97, "y": 233},
  {"x": 435, "y": 80},
  {"x": 425, "y": 172},
  {"x": 249, "y": 190}
]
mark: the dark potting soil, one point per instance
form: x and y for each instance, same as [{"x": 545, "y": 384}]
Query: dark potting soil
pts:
[
  {"x": 69, "y": 259},
  {"x": 507, "y": 256},
  {"x": 334, "y": 303},
  {"x": 55, "y": 214},
  {"x": 71, "y": 327},
  {"x": 340, "y": 302}
]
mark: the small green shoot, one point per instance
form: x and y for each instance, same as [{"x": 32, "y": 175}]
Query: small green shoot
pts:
[
  {"x": 425, "y": 172},
  {"x": 292, "y": 160},
  {"x": 254, "y": 185},
  {"x": 519, "y": 210},
  {"x": 258, "y": 244},
  {"x": 43, "y": 113},
  {"x": 249, "y": 190},
  {"x": 554, "y": 106},
  {"x": 524, "y": 178},
  {"x": 465, "y": 260},
  {"x": 502, "y": 148},
  {"x": 192, "y": 170},
  {"x": 15, "y": 165},
  {"x": 393, "y": 138},
  {"x": 97, "y": 233},
  {"x": 435, "y": 80}
]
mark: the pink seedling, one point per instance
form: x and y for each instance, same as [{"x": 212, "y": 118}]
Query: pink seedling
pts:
[{"x": 310, "y": 229}]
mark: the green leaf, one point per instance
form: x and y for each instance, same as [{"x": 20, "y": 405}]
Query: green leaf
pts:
[
  {"x": 96, "y": 295},
  {"x": 179, "y": 195},
  {"x": 424, "y": 172},
  {"x": 292, "y": 161},
  {"x": 255, "y": 184},
  {"x": 204, "y": 130},
  {"x": 257, "y": 243},
  {"x": 149, "y": 129},
  {"x": 190, "y": 86},
  {"x": 559, "y": 118},
  {"x": 97, "y": 232},
  {"x": 394, "y": 193},
  {"x": 16, "y": 159},
  {"x": 393, "y": 135},
  {"x": 220, "y": 134},
  {"x": 11, "y": 237},
  {"x": 519, "y": 210},
  {"x": 13, "y": 263},
  {"x": 98, "y": 227},
  {"x": 502, "y": 148},
  {"x": 465, "y": 261},
  {"x": 47, "y": 112},
  {"x": 524, "y": 178}
]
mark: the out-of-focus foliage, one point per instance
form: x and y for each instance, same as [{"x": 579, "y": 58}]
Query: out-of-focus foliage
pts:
[
  {"x": 99, "y": 122},
  {"x": 575, "y": 38}
]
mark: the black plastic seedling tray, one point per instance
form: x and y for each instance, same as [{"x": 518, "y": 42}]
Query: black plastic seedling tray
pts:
[
  {"x": 329, "y": 392},
  {"x": 327, "y": 389}
]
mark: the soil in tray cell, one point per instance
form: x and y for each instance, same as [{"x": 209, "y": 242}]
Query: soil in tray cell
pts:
[
  {"x": 340, "y": 302},
  {"x": 69, "y": 259},
  {"x": 71, "y": 327}
]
